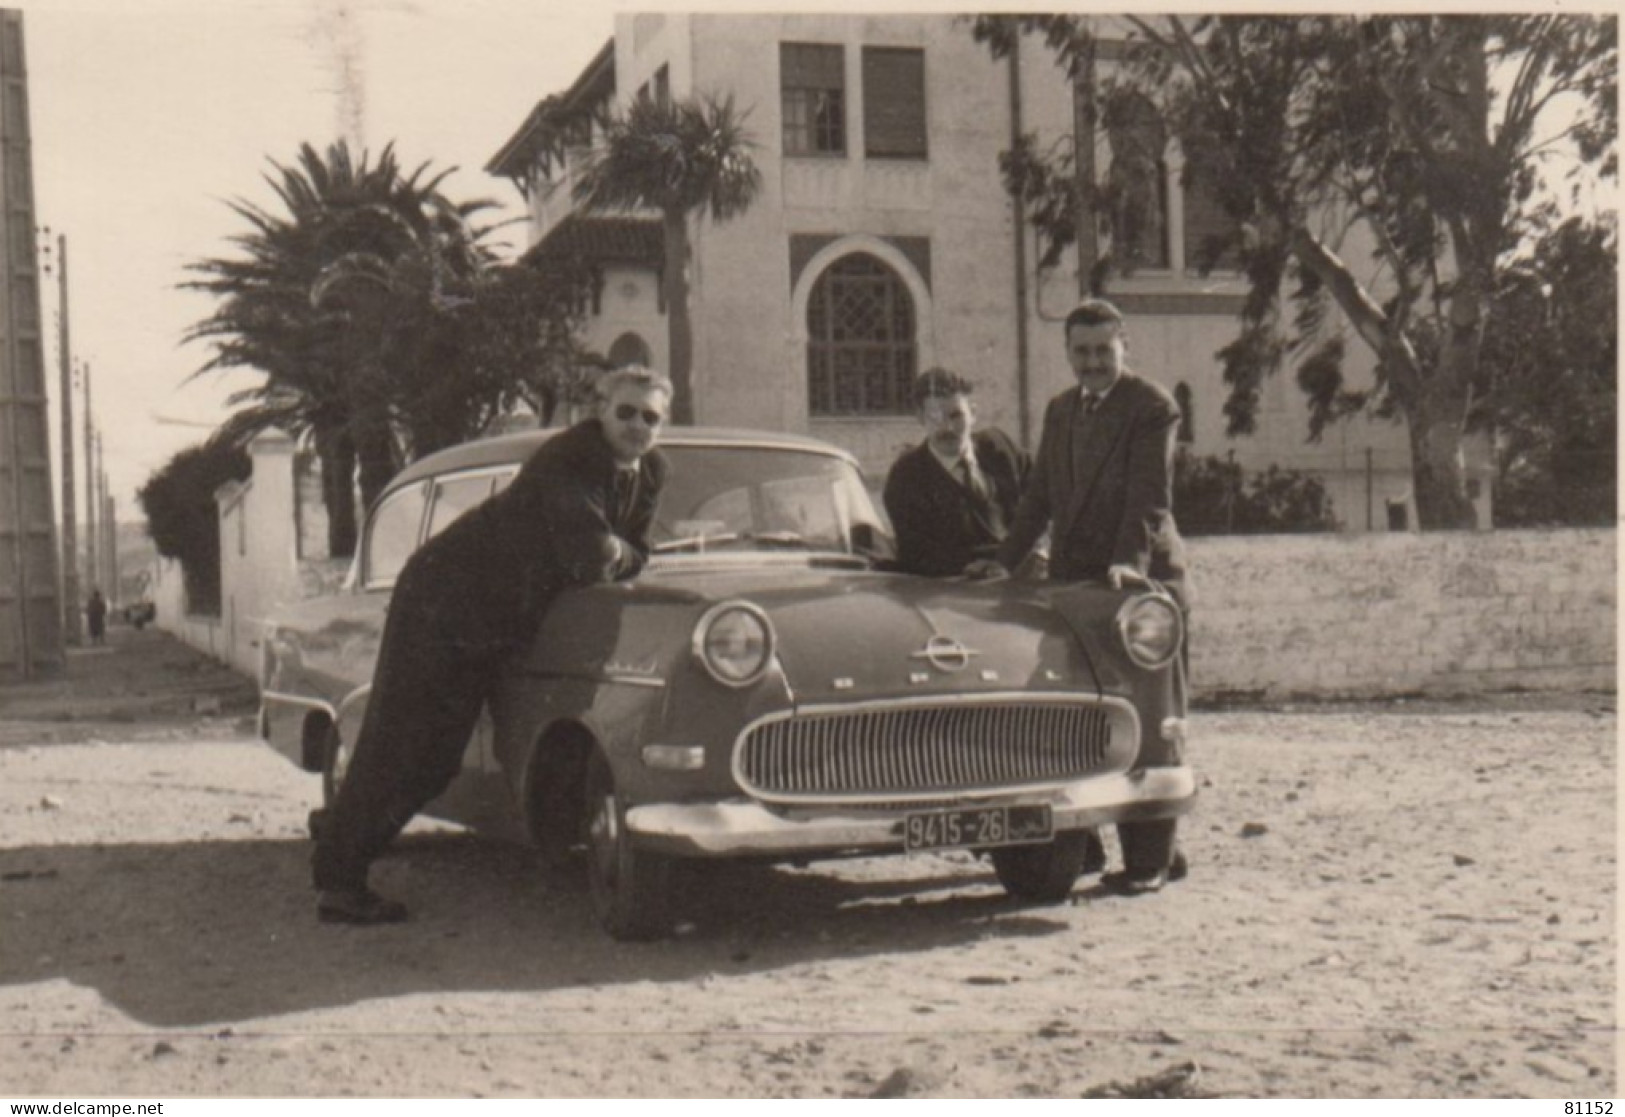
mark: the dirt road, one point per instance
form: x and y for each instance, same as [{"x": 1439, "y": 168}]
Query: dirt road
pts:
[{"x": 1385, "y": 901}]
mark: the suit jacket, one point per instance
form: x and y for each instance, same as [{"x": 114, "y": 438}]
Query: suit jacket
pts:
[
  {"x": 1103, "y": 484},
  {"x": 940, "y": 526},
  {"x": 486, "y": 579}
]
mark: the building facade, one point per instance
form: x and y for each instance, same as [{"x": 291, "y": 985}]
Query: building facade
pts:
[{"x": 883, "y": 242}]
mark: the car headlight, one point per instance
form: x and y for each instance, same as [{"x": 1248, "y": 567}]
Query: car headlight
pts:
[
  {"x": 734, "y": 642},
  {"x": 1151, "y": 630}
]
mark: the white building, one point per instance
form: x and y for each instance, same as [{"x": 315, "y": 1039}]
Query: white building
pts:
[{"x": 883, "y": 242}]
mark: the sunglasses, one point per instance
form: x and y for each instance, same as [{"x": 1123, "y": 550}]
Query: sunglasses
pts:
[{"x": 626, "y": 412}]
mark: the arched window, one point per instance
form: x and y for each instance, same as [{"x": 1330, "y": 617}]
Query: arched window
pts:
[
  {"x": 861, "y": 354},
  {"x": 1187, "y": 412},
  {"x": 629, "y": 349}
]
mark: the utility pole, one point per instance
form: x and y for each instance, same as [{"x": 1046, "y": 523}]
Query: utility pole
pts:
[
  {"x": 103, "y": 504},
  {"x": 95, "y": 465},
  {"x": 1083, "y": 164},
  {"x": 111, "y": 519},
  {"x": 70, "y": 540},
  {"x": 90, "y": 481},
  {"x": 1370, "y": 489}
]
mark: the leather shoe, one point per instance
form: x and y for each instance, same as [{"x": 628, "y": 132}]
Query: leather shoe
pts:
[
  {"x": 1135, "y": 882},
  {"x": 1179, "y": 868},
  {"x": 360, "y": 906}
]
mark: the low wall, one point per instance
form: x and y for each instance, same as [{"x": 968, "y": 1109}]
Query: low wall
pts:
[
  {"x": 1385, "y": 614},
  {"x": 1328, "y": 615},
  {"x": 166, "y": 587}
]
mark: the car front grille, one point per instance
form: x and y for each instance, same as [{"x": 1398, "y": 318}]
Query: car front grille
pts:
[{"x": 914, "y": 751}]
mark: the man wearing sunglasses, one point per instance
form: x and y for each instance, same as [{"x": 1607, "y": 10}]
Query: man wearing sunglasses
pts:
[{"x": 578, "y": 512}]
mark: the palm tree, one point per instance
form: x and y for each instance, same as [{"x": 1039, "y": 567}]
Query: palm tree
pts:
[
  {"x": 288, "y": 308},
  {"x": 680, "y": 158},
  {"x": 409, "y": 301}
]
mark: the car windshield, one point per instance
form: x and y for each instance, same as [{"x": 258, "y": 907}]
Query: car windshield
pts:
[
  {"x": 746, "y": 498},
  {"x": 718, "y": 498}
]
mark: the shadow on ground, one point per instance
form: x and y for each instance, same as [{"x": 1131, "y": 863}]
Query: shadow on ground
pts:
[{"x": 218, "y": 932}]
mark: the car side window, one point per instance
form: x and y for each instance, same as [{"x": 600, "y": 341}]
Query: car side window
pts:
[
  {"x": 455, "y": 495},
  {"x": 392, "y": 534}
]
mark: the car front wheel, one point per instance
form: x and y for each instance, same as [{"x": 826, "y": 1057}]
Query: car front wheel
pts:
[
  {"x": 1043, "y": 873},
  {"x": 631, "y": 888}
]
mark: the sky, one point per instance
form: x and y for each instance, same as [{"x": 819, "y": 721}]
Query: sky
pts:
[{"x": 148, "y": 116}]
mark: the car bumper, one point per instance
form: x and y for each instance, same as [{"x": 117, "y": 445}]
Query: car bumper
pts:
[{"x": 743, "y": 827}]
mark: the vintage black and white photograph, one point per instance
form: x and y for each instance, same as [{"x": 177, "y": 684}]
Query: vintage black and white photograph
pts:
[{"x": 798, "y": 552}]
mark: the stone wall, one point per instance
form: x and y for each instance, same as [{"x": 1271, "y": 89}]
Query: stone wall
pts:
[
  {"x": 1349, "y": 615},
  {"x": 166, "y": 587},
  {"x": 273, "y": 545}
]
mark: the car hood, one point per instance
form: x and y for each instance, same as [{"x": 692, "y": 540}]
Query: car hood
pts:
[{"x": 846, "y": 634}]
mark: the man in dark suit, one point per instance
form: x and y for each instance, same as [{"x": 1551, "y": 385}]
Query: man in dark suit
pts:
[
  {"x": 1102, "y": 484},
  {"x": 951, "y": 498},
  {"x": 578, "y": 512}
]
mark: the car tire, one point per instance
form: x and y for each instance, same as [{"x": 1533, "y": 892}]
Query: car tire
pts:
[
  {"x": 1043, "y": 873},
  {"x": 557, "y": 827},
  {"x": 630, "y": 888}
]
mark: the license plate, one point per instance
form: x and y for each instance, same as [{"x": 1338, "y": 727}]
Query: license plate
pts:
[{"x": 978, "y": 826}]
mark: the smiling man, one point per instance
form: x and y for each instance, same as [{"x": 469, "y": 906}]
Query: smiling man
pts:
[
  {"x": 1102, "y": 483},
  {"x": 578, "y": 512}
]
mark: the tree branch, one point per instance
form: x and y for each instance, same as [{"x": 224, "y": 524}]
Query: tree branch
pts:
[
  {"x": 1402, "y": 275},
  {"x": 1367, "y": 318},
  {"x": 1192, "y": 55},
  {"x": 1521, "y": 104}
]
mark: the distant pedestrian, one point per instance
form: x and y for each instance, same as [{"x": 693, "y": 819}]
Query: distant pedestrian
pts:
[{"x": 96, "y": 616}]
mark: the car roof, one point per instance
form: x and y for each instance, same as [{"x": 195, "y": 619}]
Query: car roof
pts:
[{"x": 511, "y": 449}]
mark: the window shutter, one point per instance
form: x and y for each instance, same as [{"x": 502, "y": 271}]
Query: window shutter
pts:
[{"x": 894, "y": 102}]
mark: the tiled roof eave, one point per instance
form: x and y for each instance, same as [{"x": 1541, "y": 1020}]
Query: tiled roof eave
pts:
[{"x": 602, "y": 239}]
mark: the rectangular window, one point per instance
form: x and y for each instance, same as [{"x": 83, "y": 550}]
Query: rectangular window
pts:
[
  {"x": 1211, "y": 236},
  {"x": 812, "y": 78},
  {"x": 894, "y": 103}
]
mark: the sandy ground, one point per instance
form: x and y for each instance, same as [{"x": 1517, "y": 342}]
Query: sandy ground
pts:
[{"x": 1386, "y": 900}]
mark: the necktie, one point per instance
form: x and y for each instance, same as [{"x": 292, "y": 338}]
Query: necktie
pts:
[
  {"x": 972, "y": 479},
  {"x": 1092, "y": 402},
  {"x": 626, "y": 483}
]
